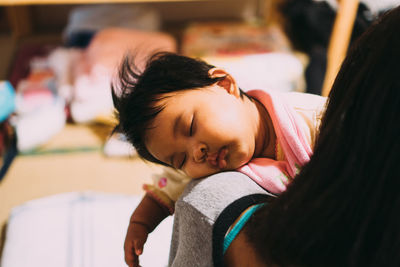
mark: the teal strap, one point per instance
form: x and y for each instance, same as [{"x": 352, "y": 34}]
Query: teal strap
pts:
[{"x": 239, "y": 225}]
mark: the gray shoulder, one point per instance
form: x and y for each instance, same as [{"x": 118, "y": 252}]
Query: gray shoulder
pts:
[
  {"x": 196, "y": 210},
  {"x": 211, "y": 195}
]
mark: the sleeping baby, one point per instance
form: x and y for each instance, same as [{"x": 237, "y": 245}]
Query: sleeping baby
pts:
[{"x": 192, "y": 118}]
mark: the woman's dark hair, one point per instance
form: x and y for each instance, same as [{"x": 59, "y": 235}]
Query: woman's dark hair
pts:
[
  {"x": 343, "y": 209},
  {"x": 136, "y": 93}
]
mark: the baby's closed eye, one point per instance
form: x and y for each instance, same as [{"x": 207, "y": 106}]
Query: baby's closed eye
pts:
[
  {"x": 183, "y": 161},
  {"x": 191, "y": 126}
]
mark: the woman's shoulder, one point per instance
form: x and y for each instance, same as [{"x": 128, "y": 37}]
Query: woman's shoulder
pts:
[{"x": 212, "y": 194}]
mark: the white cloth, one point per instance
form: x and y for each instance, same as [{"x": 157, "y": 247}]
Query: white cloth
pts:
[
  {"x": 274, "y": 71},
  {"x": 78, "y": 229}
]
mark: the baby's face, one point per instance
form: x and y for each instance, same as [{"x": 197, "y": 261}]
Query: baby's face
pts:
[{"x": 202, "y": 132}]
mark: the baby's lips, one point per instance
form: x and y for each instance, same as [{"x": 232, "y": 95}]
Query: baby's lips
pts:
[
  {"x": 218, "y": 159},
  {"x": 212, "y": 159},
  {"x": 221, "y": 159},
  {"x": 213, "y": 162},
  {"x": 212, "y": 156},
  {"x": 222, "y": 164}
]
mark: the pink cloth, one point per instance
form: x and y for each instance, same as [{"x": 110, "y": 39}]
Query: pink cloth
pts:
[{"x": 275, "y": 175}]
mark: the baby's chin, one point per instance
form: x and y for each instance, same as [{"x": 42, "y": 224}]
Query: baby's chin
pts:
[{"x": 239, "y": 161}]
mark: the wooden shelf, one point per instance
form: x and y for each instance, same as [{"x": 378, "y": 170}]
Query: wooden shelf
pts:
[
  {"x": 63, "y": 2},
  {"x": 19, "y": 15}
]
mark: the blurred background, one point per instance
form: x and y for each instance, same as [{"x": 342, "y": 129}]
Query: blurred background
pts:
[{"x": 67, "y": 185}]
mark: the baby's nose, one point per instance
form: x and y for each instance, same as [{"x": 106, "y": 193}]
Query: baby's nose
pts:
[{"x": 199, "y": 152}]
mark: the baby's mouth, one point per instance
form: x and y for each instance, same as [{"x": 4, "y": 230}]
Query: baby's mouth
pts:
[{"x": 218, "y": 159}]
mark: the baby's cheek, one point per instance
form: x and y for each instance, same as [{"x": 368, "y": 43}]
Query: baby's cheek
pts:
[{"x": 240, "y": 159}]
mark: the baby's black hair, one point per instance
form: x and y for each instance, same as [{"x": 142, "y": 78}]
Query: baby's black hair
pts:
[{"x": 136, "y": 93}]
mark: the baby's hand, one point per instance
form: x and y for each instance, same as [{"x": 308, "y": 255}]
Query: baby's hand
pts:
[
  {"x": 147, "y": 215},
  {"x": 135, "y": 238}
]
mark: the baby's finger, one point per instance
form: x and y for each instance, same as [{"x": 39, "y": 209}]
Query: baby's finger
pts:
[
  {"x": 136, "y": 261},
  {"x": 138, "y": 245},
  {"x": 129, "y": 254},
  {"x": 132, "y": 261},
  {"x": 129, "y": 260}
]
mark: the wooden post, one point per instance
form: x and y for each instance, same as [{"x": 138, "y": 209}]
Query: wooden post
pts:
[
  {"x": 339, "y": 42},
  {"x": 19, "y": 18},
  {"x": 272, "y": 12}
]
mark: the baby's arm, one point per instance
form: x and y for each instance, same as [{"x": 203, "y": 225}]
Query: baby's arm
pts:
[{"x": 147, "y": 215}]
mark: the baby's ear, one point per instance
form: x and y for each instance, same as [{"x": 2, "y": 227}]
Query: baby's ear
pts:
[
  {"x": 217, "y": 73},
  {"x": 228, "y": 82}
]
